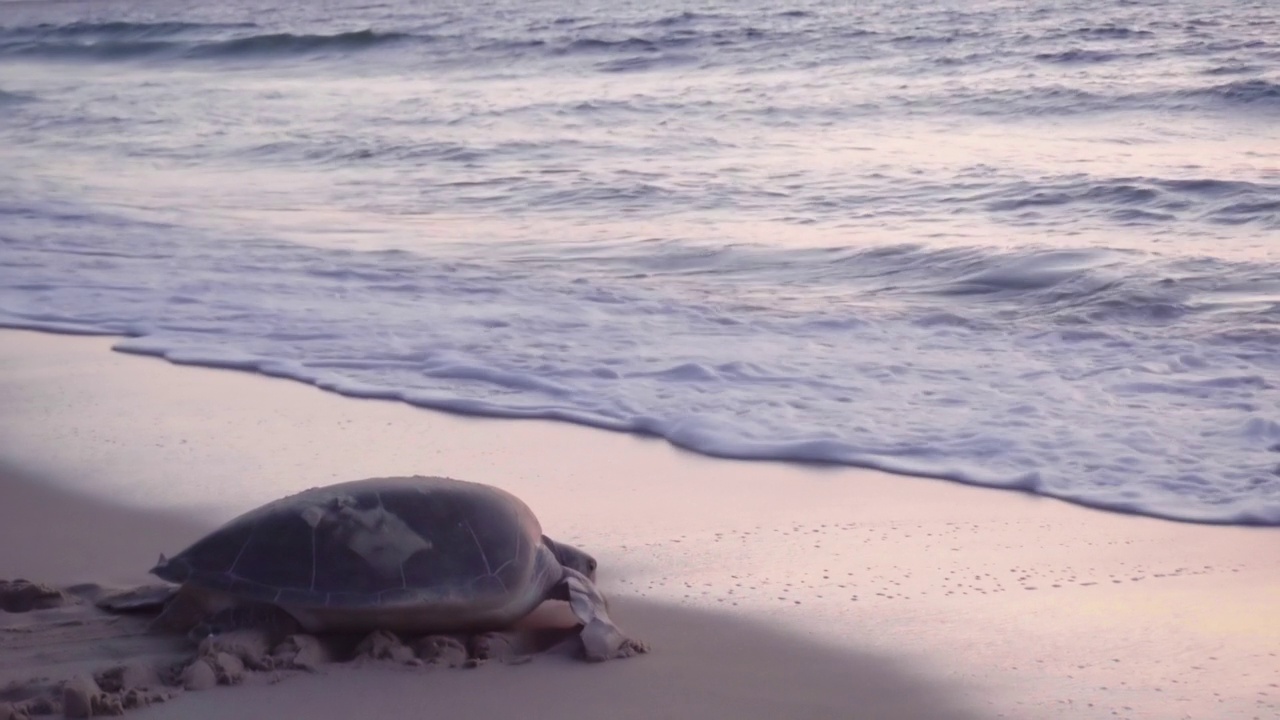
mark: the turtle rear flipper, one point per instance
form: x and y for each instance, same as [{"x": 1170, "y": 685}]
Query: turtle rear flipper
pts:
[
  {"x": 601, "y": 639},
  {"x": 173, "y": 610},
  {"x": 148, "y": 599}
]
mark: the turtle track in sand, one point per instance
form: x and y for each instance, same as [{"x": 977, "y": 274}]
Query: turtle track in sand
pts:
[{"x": 60, "y": 655}]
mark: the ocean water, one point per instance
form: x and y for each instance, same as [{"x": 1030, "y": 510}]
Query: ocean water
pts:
[{"x": 1031, "y": 244}]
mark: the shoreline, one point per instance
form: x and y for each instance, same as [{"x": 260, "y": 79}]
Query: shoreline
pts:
[
  {"x": 1253, "y": 519},
  {"x": 1023, "y": 606}
]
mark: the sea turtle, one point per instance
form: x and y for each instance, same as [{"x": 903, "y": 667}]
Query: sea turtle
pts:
[{"x": 410, "y": 555}]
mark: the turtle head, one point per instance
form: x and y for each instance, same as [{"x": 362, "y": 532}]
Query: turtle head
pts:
[{"x": 572, "y": 558}]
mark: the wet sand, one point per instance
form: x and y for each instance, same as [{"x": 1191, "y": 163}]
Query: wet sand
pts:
[{"x": 765, "y": 589}]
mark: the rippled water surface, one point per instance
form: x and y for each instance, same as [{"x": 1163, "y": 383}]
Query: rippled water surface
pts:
[{"x": 1026, "y": 244}]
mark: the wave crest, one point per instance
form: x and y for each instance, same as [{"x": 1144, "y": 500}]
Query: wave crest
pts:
[{"x": 122, "y": 41}]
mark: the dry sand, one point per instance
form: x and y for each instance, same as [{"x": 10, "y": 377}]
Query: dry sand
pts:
[{"x": 766, "y": 590}]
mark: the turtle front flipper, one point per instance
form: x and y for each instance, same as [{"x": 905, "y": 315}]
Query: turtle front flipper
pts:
[{"x": 601, "y": 639}]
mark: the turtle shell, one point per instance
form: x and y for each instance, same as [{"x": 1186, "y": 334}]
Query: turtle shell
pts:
[{"x": 377, "y": 543}]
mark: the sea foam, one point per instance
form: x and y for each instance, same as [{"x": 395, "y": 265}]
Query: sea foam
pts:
[{"x": 1046, "y": 374}]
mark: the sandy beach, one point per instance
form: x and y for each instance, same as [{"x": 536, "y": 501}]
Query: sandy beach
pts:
[{"x": 765, "y": 589}]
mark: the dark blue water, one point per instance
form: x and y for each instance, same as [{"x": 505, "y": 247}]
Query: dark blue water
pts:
[{"x": 1023, "y": 244}]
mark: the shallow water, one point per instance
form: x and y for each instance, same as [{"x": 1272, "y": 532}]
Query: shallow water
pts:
[{"x": 1022, "y": 244}]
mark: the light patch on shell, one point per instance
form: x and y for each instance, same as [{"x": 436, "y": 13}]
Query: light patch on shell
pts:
[
  {"x": 378, "y": 536},
  {"x": 312, "y": 514}
]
